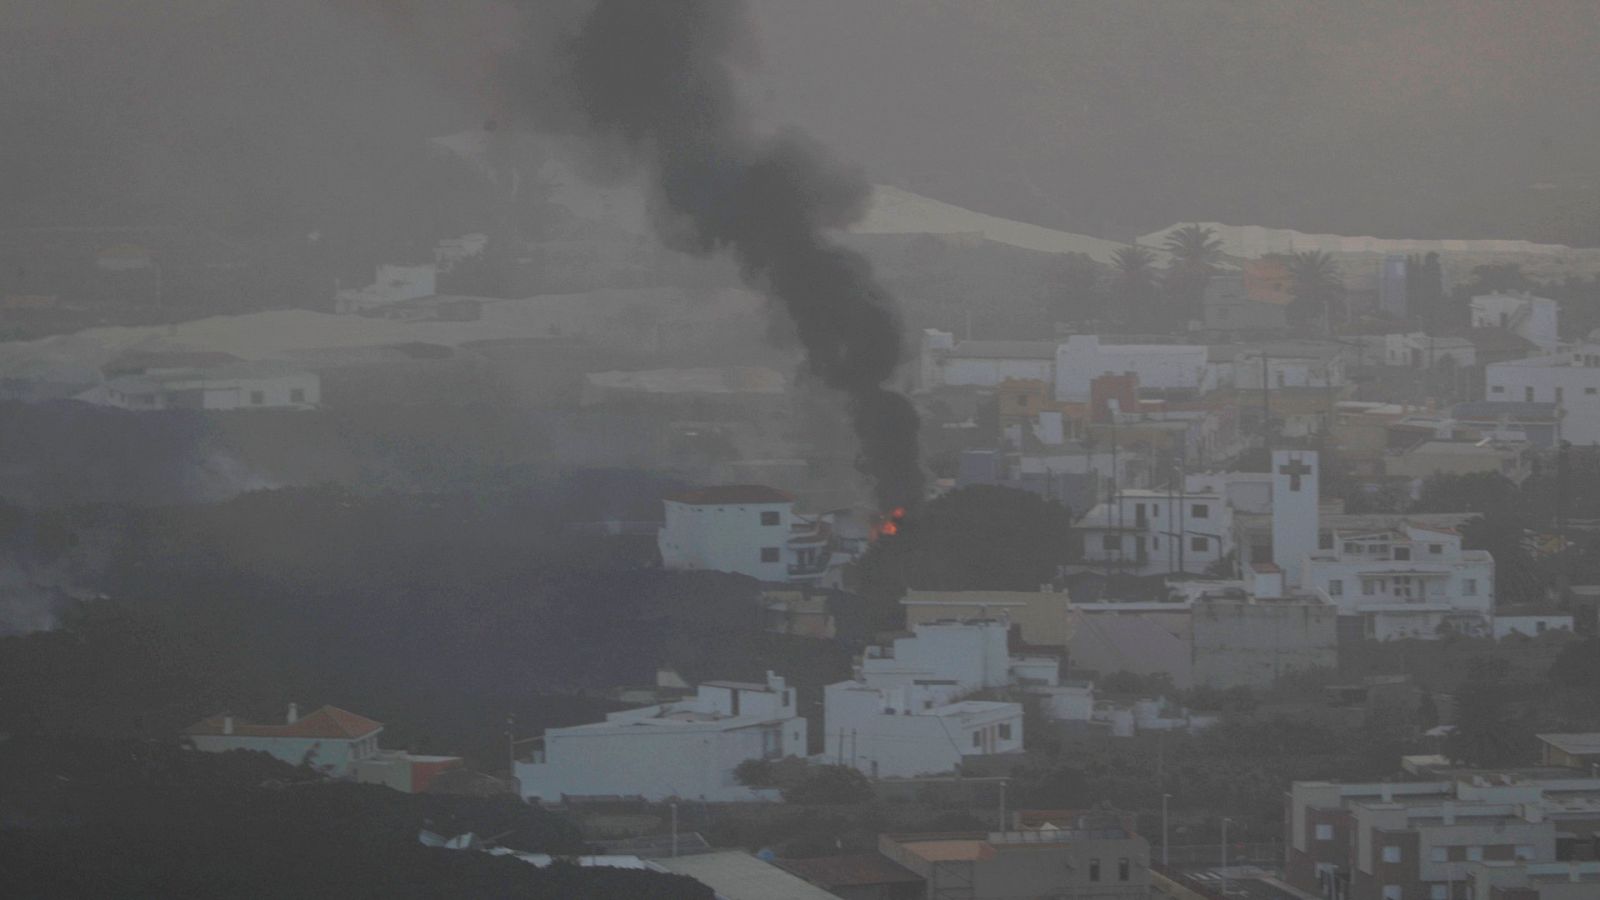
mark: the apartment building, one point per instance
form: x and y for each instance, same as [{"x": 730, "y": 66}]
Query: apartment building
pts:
[
  {"x": 1102, "y": 862},
  {"x": 1407, "y": 581},
  {"x": 1421, "y": 840}
]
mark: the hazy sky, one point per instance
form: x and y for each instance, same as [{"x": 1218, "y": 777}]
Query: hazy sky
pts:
[{"x": 1424, "y": 119}]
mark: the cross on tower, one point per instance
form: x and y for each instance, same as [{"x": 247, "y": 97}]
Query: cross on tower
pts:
[{"x": 1294, "y": 469}]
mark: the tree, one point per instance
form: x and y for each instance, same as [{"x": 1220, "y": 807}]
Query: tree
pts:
[
  {"x": 980, "y": 537},
  {"x": 1073, "y": 293},
  {"x": 1133, "y": 288},
  {"x": 830, "y": 786},
  {"x": 1195, "y": 251},
  {"x": 1194, "y": 245},
  {"x": 1483, "y": 735},
  {"x": 1314, "y": 285}
]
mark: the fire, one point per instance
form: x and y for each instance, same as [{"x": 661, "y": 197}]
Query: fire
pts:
[{"x": 890, "y": 526}]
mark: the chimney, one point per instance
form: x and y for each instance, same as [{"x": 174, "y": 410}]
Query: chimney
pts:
[
  {"x": 227, "y": 724},
  {"x": 294, "y": 714}
]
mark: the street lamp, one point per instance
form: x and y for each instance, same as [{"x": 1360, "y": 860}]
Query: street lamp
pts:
[
  {"x": 1165, "y": 857},
  {"x": 1224, "y": 870}
]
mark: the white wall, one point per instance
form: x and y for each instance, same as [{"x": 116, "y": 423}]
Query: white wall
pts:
[
  {"x": 1083, "y": 358},
  {"x": 860, "y": 732},
  {"x": 1530, "y": 626},
  {"x": 1573, "y": 384},
  {"x": 974, "y": 655},
  {"x": 727, "y": 538},
  {"x": 655, "y": 762},
  {"x": 1460, "y": 582}
]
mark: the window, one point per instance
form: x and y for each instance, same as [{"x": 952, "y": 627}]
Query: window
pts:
[
  {"x": 1335, "y": 587},
  {"x": 1474, "y": 854},
  {"x": 1391, "y": 853},
  {"x": 1439, "y": 854},
  {"x": 1392, "y": 892},
  {"x": 1527, "y": 394},
  {"x": 1155, "y": 543},
  {"x": 1498, "y": 389},
  {"x": 1435, "y": 549},
  {"x": 297, "y": 395},
  {"x": 1352, "y": 547},
  {"x": 1591, "y": 390},
  {"x": 769, "y": 554},
  {"x": 1111, "y": 542},
  {"x": 1369, "y": 587},
  {"x": 1558, "y": 394},
  {"x": 1200, "y": 511},
  {"x": 1402, "y": 585},
  {"x": 1402, "y": 553},
  {"x": 1438, "y": 892},
  {"x": 1197, "y": 544},
  {"x": 1324, "y": 832},
  {"x": 257, "y": 398},
  {"x": 1124, "y": 868},
  {"x": 770, "y": 517},
  {"x": 1094, "y": 869},
  {"x": 1324, "y": 540},
  {"x": 1005, "y": 731},
  {"x": 977, "y": 738},
  {"x": 1469, "y": 587},
  {"x": 1525, "y": 852}
]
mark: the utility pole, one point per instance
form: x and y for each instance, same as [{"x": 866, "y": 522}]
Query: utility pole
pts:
[
  {"x": 674, "y": 829},
  {"x": 1166, "y": 858},
  {"x": 1224, "y": 871},
  {"x": 1003, "y": 827}
]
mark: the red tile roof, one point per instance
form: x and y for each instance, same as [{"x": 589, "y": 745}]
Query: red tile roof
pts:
[
  {"x": 327, "y": 723},
  {"x": 732, "y": 494}
]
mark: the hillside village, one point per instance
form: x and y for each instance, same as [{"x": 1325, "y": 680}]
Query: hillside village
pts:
[{"x": 650, "y": 509}]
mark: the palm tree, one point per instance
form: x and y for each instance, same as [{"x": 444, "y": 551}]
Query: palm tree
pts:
[
  {"x": 1195, "y": 250},
  {"x": 1315, "y": 285},
  {"x": 1194, "y": 246},
  {"x": 1134, "y": 286}
]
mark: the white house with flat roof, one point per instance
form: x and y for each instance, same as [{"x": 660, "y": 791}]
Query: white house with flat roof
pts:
[
  {"x": 1410, "y": 581},
  {"x": 237, "y": 386},
  {"x": 749, "y": 529},
  {"x": 686, "y": 749},
  {"x": 1569, "y": 379},
  {"x": 947, "y": 362},
  {"x": 1155, "y": 532},
  {"x": 1534, "y": 319},
  {"x": 1085, "y": 357},
  {"x": 908, "y": 710}
]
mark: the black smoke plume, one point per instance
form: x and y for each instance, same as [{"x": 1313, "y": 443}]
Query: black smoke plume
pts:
[{"x": 653, "y": 83}]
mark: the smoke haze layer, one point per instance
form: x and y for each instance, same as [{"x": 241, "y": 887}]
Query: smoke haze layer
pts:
[{"x": 652, "y": 83}]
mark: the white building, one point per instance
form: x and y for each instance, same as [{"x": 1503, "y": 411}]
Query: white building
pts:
[
  {"x": 392, "y": 284},
  {"x": 1154, "y": 532},
  {"x": 1420, "y": 350},
  {"x": 916, "y": 729},
  {"x": 748, "y": 529},
  {"x": 1296, "y": 364},
  {"x": 1410, "y": 581},
  {"x": 905, "y": 714},
  {"x": 1534, "y": 319},
  {"x": 947, "y": 362},
  {"x": 1569, "y": 379},
  {"x": 686, "y": 749},
  {"x": 330, "y": 740},
  {"x": 1084, "y": 358},
  {"x": 1530, "y": 624},
  {"x": 241, "y": 386}
]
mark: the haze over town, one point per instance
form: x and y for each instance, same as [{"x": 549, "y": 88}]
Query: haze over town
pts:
[{"x": 704, "y": 448}]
